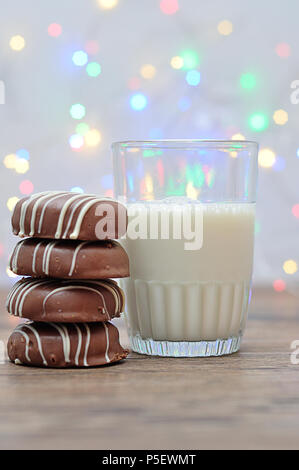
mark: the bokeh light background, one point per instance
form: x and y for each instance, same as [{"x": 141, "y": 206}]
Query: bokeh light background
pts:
[{"x": 79, "y": 74}]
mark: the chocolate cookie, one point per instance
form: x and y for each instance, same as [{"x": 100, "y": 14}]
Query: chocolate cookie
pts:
[
  {"x": 65, "y": 344},
  {"x": 68, "y": 215},
  {"x": 51, "y": 300},
  {"x": 67, "y": 259}
]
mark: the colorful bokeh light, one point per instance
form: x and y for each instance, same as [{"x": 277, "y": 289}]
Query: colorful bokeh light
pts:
[
  {"x": 134, "y": 83},
  {"x": 26, "y": 187},
  {"x": 138, "y": 101},
  {"x": 169, "y": 7},
  {"x": 82, "y": 128},
  {"x": 22, "y": 165},
  {"x": 92, "y": 47},
  {"x": 248, "y": 81},
  {"x": 190, "y": 59},
  {"x": 290, "y": 266},
  {"x": 93, "y": 69},
  {"x": 11, "y": 202},
  {"x": 258, "y": 122},
  {"x": 107, "y": 4},
  {"x": 54, "y": 30},
  {"x": 10, "y": 160},
  {"x": 193, "y": 77},
  {"x": 77, "y": 111},
  {"x": 23, "y": 153},
  {"x": 76, "y": 141},
  {"x": 283, "y": 50},
  {"x": 92, "y": 138},
  {"x": 279, "y": 285},
  {"x": 80, "y": 58},
  {"x": 17, "y": 43},
  {"x": 266, "y": 158},
  {"x": 177, "y": 62},
  {"x": 280, "y": 117},
  {"x": 295, "y": 211},
  {"x": 148, "y": 71},
  {"x": 238, "y": 136},
  {"x": 225, "y": 27}
]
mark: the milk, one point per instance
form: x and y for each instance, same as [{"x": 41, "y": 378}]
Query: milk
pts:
[{"x": 182, "y": 295}]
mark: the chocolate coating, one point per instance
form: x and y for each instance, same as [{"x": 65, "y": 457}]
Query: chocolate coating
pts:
[
  {"x": 68, "y": 215},
  {"x": 51, "y": 300},
  {"x": 69, "y": 259},
  {"x": 65, "y": 344}
]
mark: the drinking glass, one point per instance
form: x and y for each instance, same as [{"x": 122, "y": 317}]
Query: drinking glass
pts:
[{"x": 191, "y": 251}]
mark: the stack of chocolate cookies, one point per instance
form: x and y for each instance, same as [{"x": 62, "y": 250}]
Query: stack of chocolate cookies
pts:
[{"x": 69, "y": 296}]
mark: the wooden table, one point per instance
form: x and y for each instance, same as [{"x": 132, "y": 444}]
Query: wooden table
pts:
[{"x": 247, "y": 400}]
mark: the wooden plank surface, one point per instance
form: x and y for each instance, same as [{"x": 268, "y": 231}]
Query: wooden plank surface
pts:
[{"x": 248, "y": 400}]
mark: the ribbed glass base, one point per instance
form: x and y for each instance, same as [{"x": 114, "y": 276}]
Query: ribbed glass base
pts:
[{"x": 219, "y": 347}]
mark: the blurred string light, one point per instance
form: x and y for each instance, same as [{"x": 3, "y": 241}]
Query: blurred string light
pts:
[
  {"x": 280, "y": 117},
  {"x": 54, "y": 30},
  {"x": 77, "y": 189},
  {"x": 279, "y": 285},
  {"x": 266, "y": 158},
  {"x": 17, "y": 43},
  {"x": 295, "y": 210},
  {"x": 107, "y": 4},
  {"x": 283, "y": 50},
  {"x": 169, "y": 7},
  {"x": 248, "y": 81},
  {"x": 148, "y": 71},
  {"x": 93, "y": 69},
  {"x": 14, "y": 162},
  {"x": 138, "y": 101},
  {"x": 225, "y": 27},
  {"x": 26, "y": 187},
  {"x": 258, "y": 122},
  {"x": 297, "y": 153},
  {"x": 92, "y": 47},
  {"x": 190, "y": 59},
  {"x": 11, "y": 202},
  {"x": 290, "y": 266},
  {"x": 82, "y": 128},
  {"x": 92, "y": 138},
  {"x": 177, "y": 62},
  {"x": 1, "y": 249},
  {"x": 76, "y": 141},
  {"x": 80, "y": 58},
  {"x": 77, "y": 111},
  {"x": 193, "y": 77}
]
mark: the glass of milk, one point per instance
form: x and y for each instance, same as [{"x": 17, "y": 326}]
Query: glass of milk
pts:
[{"x": 191, "y": 208}]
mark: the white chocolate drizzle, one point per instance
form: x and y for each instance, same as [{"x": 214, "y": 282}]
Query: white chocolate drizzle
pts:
[
  {"x": 27, "y": 343},
  {"x": 85, "y": 363},
  {"x": 75, "y": 255},
  {"x": 79, "y": 344},
  {"x": 39, "y": 344},
  {"x": 66, "y": 343},
  {"x": 107, "y": 343}
]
